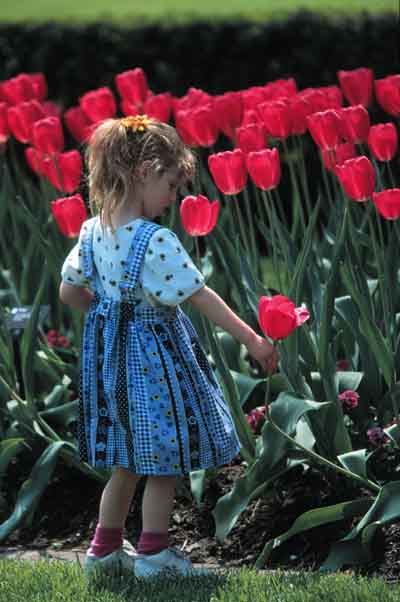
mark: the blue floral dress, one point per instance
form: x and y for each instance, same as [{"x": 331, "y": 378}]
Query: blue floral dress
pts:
[{"x": 149, "y": 399}]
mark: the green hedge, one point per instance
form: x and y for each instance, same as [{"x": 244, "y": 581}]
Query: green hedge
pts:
[{"x": 215, "y": 56}]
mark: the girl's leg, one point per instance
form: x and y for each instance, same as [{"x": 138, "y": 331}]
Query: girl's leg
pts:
[
  {"x": 117, "y": 497},
  {"x": 114, "y": 507},
  {"x": 158, "y": 501}
]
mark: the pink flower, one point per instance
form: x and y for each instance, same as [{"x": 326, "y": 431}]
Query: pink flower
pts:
[
  {"x": 350, "y": 399},
  {"x": 377, "y": 436},
  {"x": 342, "y": 365},
  {"x": 256, "y": 418}
]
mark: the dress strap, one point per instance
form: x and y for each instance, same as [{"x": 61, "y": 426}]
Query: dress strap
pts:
[
  {"x": 87, "y": 252},
  {"x": 135, "y": 258}
]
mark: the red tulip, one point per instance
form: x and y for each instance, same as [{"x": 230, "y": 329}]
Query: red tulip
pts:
[
  {"x": 4, "y": 127},
  {"x": 357, "y": 85},
  {"x": 299, "y": 109},
  {"x": 78, "y": 124},
  {"x": 251, "y": 116},
  {"x": 280, "y": 88},
  {"x": 47, "y": 135},
  {"x": 388, "y": 203},
  {"x": 338, "y": 155},
  {"x": 388, "y": 94},
  {"x": 228, "y": 111},
  {"x": 193, "y": 98},
  {"x": 98, "y": 104},
  {"x": 357, "y": 177},
  {"x": 383, "y": 141},
  {"x": 228, "y": 170},
  {"x": 252, "y": 97},
  {"x": 132, "y": 86},
  {"x": 278, "y": 316},
  {"x": 199, "y": 215},
  {"x": 276, "y": 118},
  {"x": 355, "y": 123},
  {"x": 69, "y": 214},
  {"x": 51, "y": 109},
  {"x": 35, "y": 160},
  {"x": 252, "y": 137},
  {"x": 22, "y": 88},
  {"x": 64, "y": 170},
  {"x": 129, "y": 108},
  {"x": 264, "y": 168},
  {"x": 21, "y": 118},
  {"x": 159, "y": 106},
  {"x": 39, "y": 86},
  {"x": 323, "y": 98},
  {"x": 325, "y": 128},
  {"x": 183, "y": 126},
  {"x": 201, "y": 126}
]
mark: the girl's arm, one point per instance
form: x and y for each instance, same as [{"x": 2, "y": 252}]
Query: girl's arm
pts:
[
  {"x": 77, "y": 297},
  {"x": 207, "y": 302}
]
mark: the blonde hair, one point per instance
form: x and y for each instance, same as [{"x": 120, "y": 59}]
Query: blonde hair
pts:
[{"x": 114, "y": 152}]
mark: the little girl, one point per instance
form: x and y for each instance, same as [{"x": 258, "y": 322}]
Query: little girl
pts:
[{"x": 150, "y": 404}]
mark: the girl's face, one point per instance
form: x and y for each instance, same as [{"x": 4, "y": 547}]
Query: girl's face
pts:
[{"x": 158, "y": 192}]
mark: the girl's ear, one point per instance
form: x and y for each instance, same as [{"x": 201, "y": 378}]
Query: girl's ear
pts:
[{"x": 143, "y": 170}]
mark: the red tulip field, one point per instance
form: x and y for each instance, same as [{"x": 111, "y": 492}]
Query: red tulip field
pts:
[{"x": 293, "y": 217}]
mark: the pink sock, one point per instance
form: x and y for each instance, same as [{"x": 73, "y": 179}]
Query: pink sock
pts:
[
  {"x": 105, "y": 541},
  {"x": 152, "y": 543}
]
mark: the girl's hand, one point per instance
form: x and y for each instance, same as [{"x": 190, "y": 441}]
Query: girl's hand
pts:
[{"x": 265, "y": 353}]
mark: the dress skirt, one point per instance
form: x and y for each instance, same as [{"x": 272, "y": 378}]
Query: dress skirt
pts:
[{"x": 149, "y": 399}]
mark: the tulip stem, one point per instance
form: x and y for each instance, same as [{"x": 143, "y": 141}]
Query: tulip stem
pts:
[
  {"x": 382, "y": 276},
  {"x": 391, "y": 177},
  {"x": 311, "y": 454},
  {"x": 300, "y": 146},
  {"x": 298, "y": 207},
  {"x": 251, "y": 227},
  {"x": 241, "y": 224},
  {"x": 267, "y": 200}
]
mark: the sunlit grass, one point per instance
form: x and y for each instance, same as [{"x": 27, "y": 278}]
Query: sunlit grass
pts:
[
  {"x": 60, "y": 581},
  {"x": 125, "y": 11}
]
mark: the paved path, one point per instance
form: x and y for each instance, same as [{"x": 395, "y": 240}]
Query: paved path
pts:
[{"x": 72, "y": 555}]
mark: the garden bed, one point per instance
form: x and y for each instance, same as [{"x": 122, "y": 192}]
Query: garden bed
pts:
[{"x": 69, "y": 507}]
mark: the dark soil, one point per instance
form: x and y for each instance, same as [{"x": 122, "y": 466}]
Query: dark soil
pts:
[{"x": 68, "y": 515}]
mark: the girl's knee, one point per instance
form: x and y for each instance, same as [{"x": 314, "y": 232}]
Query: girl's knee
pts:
[{"x": 126, "y": 473}]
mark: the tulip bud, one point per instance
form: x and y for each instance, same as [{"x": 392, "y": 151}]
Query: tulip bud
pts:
[
  {"x": 357, "y": 177},
  {"x": 388, "y": 203},
  {"x": 228, "y": 170},
  {"x": 47, "y": 135},
  {"x": 278, "y": 316},
  {"x": 388, "y": 94},
  {"x": 69, "y": 214},
  {"x": 98, "y": 104},
  {"x": 383, "y": 141},
  {"x": 64, "y": 170},
  {"x": 264, "y": 168},
  {"x": 357, "y": 85},
  {"x": 199, "y": 215}
]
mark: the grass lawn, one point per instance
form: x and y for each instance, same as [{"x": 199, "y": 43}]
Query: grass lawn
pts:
[
  {"x": 58, "y": 581},
  {"x": 125, "y": 11}
]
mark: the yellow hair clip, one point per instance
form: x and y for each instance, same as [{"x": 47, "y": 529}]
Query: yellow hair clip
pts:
[{"x": 138, "y": 123}]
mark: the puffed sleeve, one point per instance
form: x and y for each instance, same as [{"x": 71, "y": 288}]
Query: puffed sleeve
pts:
[
  {"x": 169, "y": 275},
  {"x": 72, "y": 269}
]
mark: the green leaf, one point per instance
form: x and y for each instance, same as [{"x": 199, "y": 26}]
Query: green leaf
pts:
[
  {"x": 312, "y": 519},
  {"x": 9, "y": 448},
  {"x": 271, "y": 460},
  {"x": 355, "y": 461},
  {"x": 355, "y": 548},
  {"x": 33, "y": 488},
  {"x": 29, "y": 338}
]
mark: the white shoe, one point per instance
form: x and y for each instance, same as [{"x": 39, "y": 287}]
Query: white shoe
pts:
[
  {"x": 121, "y": 559},
  {"x": 170, "y": 560}
]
